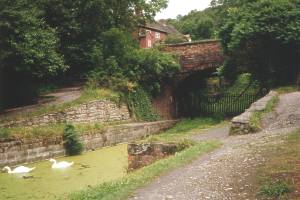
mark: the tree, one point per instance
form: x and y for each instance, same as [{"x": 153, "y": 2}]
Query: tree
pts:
[
  {"x": 199, "y": 24},
  {"x": 43, "y": 38},
  {"x": 81, "y": 24},
  {"x": 263, "y": 38},
  {"x": 125, "y": 65},
  {"x": 27, "y": 44}
]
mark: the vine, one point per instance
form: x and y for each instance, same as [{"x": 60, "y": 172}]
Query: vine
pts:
[{"x": 140, "y": 105}]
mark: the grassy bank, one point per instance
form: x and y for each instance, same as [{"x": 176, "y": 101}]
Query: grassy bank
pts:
[
  {"x": 287, "y": 89},
  {"x": 279, "y": 177},
  {"x": 53, "y": 130},
  {"x": 185, "y": 128},
  {"x": 124, "y": 187}
]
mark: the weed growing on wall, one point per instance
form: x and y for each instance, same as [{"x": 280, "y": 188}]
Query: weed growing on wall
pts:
[
  {"x": 4, "y": 132},
  {"x": 71, "y": 139},
  {"x": 140, "y": 105}
]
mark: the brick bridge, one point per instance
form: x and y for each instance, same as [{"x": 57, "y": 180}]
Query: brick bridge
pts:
[{"x": 196, "y": 57}]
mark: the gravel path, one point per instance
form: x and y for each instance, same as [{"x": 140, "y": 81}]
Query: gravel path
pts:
[
  {"x": 229, "y": 172},
  {"x": 287, "y": 113}
]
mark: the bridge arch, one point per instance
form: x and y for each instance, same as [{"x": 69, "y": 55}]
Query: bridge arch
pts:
[{"x": 198, "y": 61}]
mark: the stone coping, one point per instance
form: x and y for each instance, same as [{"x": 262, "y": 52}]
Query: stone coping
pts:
[{"x": 241, "y": 124}]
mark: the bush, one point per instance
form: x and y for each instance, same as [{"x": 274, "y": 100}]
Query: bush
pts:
[
  {"x": 72, "y": 143},
  {"x": 125, "y": 66}
]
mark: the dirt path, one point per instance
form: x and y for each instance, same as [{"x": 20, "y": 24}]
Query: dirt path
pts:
[
  {"x": 57, "y": 97},
  {"x": 229, "y": 172}
]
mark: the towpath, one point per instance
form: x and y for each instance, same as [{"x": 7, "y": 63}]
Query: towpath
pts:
[{"x": 229, "y": 172}]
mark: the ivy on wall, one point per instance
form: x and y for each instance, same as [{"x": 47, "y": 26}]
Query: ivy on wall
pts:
[{"x": 140, "y": 105}]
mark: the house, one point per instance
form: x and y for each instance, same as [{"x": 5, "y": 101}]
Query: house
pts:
[{"x": 152, "y": 33}]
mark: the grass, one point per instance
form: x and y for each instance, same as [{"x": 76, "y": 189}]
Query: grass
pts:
[
  {"x": 279, "y": 178},
  {"x": 274, "y": 190},
  {"x": 185, "y": 128},
  {"x": 88, "y": 94},
  {"x": 52, "y": 130},
  {"x": 255, "y": 120},
  {"x": 287, "y": 89},
  {"x": 124, "y": 187}
]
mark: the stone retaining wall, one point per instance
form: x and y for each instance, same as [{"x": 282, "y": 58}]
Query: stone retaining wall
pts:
[
  {"x": 94, "y": 111},
  {"x": 241, "y": 124},
  {"x": 140, "y": 155},
  {"x": 16, "y": 151}
]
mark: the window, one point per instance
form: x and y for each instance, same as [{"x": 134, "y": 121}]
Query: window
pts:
[
  {"x": 157, "y": 35},
  {"x": 149, "y": 43}
]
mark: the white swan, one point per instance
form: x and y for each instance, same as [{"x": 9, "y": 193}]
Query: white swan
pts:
[
  {"x": 18, "y": 170},
  {"x": 60, "y": 165}
]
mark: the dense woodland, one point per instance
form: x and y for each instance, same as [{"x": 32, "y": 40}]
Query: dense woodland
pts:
[{"x": 46, "y": 42}]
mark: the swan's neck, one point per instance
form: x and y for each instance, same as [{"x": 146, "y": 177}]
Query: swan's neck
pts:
[
  {"x": 54, "y": 162},
  {"x": 8, "y": 169}
]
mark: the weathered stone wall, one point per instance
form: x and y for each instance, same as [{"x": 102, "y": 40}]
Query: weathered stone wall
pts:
[
  {"x": 165, "y": 104},
  {"x": 242, "y": 124},
  {"x": 94, "y": 111},
  {"x": 16, "y": 151},
  {"x": 195, "y": 56},
  {"x": 140, "y": 155}
]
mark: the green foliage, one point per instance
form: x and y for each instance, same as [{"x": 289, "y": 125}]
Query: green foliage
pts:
[
  {"x": 4, "y": 132},
  {"x": 185, "y": 128},
  {"x": 199, "y": 24},
  {"x": 140, "y": 105},
  {"x": 83, "y": 26},
  {"x": 174, "y": 39},
  {"x": 274, "y": 190},
  {"x": 255, "y": 122},
  {"x": 27, "y": 43},
  {"x": 71, "y": 140},
  {"x": 263, "y": 38},
  {"x": 125, "y": 66},
  {"x": 287, "y": 89},
  {"x": 46, "y": 37},
  {"x": 123, "y": 188},
  {"x": 51, "y": 130},
  {"x": 244, "y": 82}
]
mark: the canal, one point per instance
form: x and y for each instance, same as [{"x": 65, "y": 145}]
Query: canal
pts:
[{"x": 89, "y": 169}]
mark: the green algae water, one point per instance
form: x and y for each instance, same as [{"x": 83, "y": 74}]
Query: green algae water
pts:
[{"x": 89, "y": 169}]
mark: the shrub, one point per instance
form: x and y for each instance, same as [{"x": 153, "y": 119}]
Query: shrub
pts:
[
  {"x": 72, "y": 143},
  {"x": 4, "y": 132}
]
